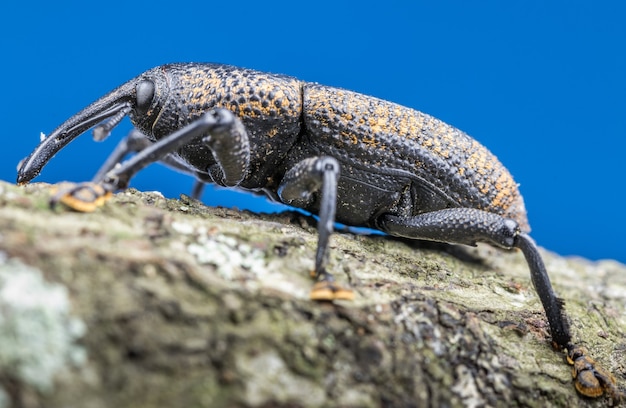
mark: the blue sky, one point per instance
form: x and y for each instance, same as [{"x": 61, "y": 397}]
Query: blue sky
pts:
[{"x": 542, "y": 84}]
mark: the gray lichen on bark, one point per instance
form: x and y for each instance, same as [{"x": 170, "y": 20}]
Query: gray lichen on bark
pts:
[{"x": 186, "y": 305}]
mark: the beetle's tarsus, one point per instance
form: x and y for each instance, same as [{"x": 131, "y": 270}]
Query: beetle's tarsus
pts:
[
  {"x": 82, "y": 197},
  {"x": 329, "y": 290},
  {"x": 590, "y": 378}
]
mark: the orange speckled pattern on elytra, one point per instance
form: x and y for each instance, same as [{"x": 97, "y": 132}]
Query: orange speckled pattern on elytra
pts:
[
  {"x": 254, "y": 96},
  {"x": 366, "y": 129}
]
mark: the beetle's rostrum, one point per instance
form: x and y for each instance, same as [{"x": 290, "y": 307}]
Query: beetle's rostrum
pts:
[{"x": 342, "y": 155}]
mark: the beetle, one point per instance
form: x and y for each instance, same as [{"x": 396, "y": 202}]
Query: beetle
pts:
[{"x": 344, "y": 156}]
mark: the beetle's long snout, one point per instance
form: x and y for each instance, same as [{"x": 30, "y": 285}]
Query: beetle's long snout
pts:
[{"x": 113, "y": 106}]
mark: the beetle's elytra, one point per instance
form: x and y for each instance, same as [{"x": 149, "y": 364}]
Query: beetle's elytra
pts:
[{"x": 342, "y": 155}]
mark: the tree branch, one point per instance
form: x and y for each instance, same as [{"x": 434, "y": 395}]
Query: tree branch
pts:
[{"x": 172, "y": 303}]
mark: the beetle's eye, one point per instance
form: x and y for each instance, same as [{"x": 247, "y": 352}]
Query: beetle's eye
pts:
[{"x": 145, "y": 94}]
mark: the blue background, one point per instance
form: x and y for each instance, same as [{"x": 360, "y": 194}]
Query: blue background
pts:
[{"x": 542, "y": 85}]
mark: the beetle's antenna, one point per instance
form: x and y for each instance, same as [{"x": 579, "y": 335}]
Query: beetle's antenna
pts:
[{"x": 103, "y": 130}]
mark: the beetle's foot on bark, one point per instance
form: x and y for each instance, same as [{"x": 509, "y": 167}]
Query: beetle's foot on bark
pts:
[
  {"x": 330, "y": 290},
  {"x": 591, "y": 379},
  {"x": 82, "y": 197}
]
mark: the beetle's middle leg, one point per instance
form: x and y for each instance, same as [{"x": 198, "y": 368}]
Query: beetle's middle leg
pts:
[
  {"x": 220, "y": 129},
  {"x": 298, "y": 188}
]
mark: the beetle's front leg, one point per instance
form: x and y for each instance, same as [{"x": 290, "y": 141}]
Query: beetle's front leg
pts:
[
  {"x": 223, "y": 133},
  {"x": 298, "y": 188},
  {"x": 221, "y": 130},
  {"x": 134, "y": 142}
]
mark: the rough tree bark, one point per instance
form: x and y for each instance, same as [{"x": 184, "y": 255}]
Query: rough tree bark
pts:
[{"x": 154, "y": 302}]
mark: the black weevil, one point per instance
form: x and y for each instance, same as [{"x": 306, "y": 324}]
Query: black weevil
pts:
[{"x": 342, "y": 155}]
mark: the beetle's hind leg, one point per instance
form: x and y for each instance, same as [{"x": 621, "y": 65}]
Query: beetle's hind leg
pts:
[
  {"x": 220, "y": 129},
  {"x": 298, "y": 188},
  {"x": 469, "y": 226}
]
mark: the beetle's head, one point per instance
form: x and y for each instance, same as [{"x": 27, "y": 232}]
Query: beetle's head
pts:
[{"x": 140, "y": 98}]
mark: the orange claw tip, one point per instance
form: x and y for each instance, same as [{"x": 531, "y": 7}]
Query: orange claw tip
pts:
[{"x": 328, "y": 291}]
